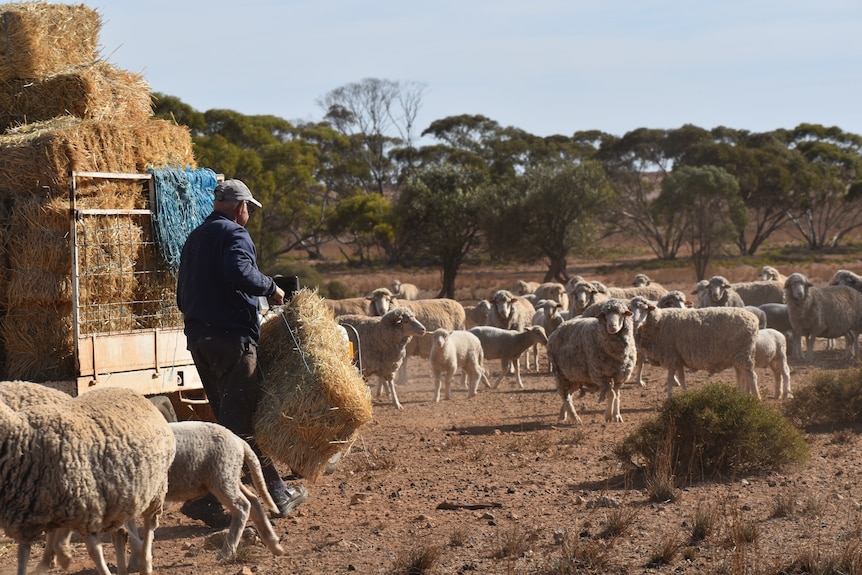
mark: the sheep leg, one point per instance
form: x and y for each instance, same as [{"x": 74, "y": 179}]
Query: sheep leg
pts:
[
  {"x": 504, "y": 366},
  {"x": 151, "y": 522},
  {"x": 390, "y": 385},
  {"x": 438, "y": 384},
  {"x": 675, "y": 377},
  {"x": 261, "y": 523},
  {"x": 518, "y": 375},
  {"x": 448, "y": 382},
  {"x": 23, "y": 557},
  {"x": 94, "y": 548},
  {"x": 568, "y": 408},
  {"x": 639, "y": 369},
  {"x": 484, "y": 377},
  {"x": 120, "y": 537},
  {"x": 809, "y": 348},
  {"x": 238, "y": 507},
  {"x": 58, "y": 549},
  {"x": 402, "y": 372},
  {"x": 475, "y": 376},
  {"x": 612, "y": 411}
]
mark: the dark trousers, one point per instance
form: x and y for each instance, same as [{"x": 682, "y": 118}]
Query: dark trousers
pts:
[{"x": 231, "y": 379}]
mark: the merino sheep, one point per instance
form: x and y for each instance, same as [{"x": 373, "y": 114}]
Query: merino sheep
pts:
[
  {"x": 778, "y": 318},
  {"x": 477, "y": 314},
  {"x": 640, "y": 306},
  {"x": 711, "y": 339},
  {"x": 722, "y": 293},
  {"x": 673, "y": 298},
  {"x": 348, "y": 306},
  {"x": 548, "y": 316},
  {"x": 846, "y": 278},
  {"x": 642, "y": 280},
  {"x": 107, "y": 455},
  {"x": 594, "y": 353},
  {"x": 523, "y": 288},
  {"x": 404, "y": 291},
  {"x": 701, "y": 291},
  {"x": 829, "y": 311},
  {"x": 507, "y": 345},
  {"x": 383, "y": 344},
  {"x": 452, "y": 351},
  {"x": 650, "y": 291},
  {"x": 770, "y": 351},
  {"x": 511, "y": 312},
  {"x": 758, "y": 313},
  {"x": 553, "y": 291},
  {"x": 769, "y": 273},
  {"x": 584, "y": 294},
  {"x": 757, "y": 293}
]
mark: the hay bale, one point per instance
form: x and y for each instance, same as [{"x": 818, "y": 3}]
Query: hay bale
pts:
[
  {"x": 303, "y": 418},
  {"x": 37, "y": 158},
  {"x": 95, "y": 91},
  {"x": 38, "y": 343},
  {"x": 38, "y": 39}
]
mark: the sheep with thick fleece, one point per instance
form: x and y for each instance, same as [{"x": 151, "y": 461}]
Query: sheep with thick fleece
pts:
[
  {"x": 650, "y": 291},
  {"x": 640, "y": 306},
  {"x": 722, "y": 293},
  {"x": 642, "y": 280},
  {"x": 404, "y": 291},
  {"x": 477, "y": 314},
  {"x": 769, "y": 273},
  {"x": 523, "y": 287},
  {"x": 511, "y": 312},
  {"x": 507, "y": 345},
  {"x": 452, "y": 351},
  {"x": 673, "y": 298},
  {"x": 348, "y": 306},
  {"x": 770, "y": 350},
  {"x": 88, "y": 464},
  {"x": 828, "y": 311},
  {"x": 846, "y": 278},
  {"x": 548, "y": 316},
  {"x": 594, "y": 353},
  {"x": 583, "y": 294},
  {"x": 760, "y": 292},
  {"x": 383, "y": 344},
  {"x": 553, "y": 291},
  {"x": 711, "y": 339}
]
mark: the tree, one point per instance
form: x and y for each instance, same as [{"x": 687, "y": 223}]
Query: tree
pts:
[
  {"x": 707, "y": 198},
  {"x": 363, "y": 222},
  {"x": 378, "y": 116},
  {"x": 437, "y": 217}
]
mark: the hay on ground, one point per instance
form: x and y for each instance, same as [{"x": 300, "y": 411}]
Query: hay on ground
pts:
[
  {"x": 303, "y": 418},
  {"x": 96, "y": 91},
  {"x": 36, "y": 159},
  {"x": 39, "y": 38}
]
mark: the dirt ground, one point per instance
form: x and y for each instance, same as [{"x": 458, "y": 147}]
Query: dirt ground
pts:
[{"x": 495, "y": 485}]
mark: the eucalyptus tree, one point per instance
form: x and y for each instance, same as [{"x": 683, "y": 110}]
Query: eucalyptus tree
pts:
[
  {"x": 437, "y": 217},
  {"x": 829, "y": 204},
  {"x": 707, "y": 201}
]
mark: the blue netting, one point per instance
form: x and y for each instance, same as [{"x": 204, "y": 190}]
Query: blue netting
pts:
[{"x": 184, "y": 198}]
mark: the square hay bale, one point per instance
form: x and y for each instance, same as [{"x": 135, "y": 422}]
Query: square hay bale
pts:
[
  {"x": 38, "y": 343},
  {"x": 38, "y": 39},
  {"x": 313, "y": 400},
  {"x": 96, "y": 91},
  {"x": 37, "y": 158}
]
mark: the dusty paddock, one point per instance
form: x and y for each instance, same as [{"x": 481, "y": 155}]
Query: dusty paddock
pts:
[{"x": 538, "y": 488}]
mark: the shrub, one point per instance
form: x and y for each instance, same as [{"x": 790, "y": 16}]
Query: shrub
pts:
[
  {"x": 714, "y": 430},
  {"x": 336, "y": 290},
  {"x": 832, "y": 398}
]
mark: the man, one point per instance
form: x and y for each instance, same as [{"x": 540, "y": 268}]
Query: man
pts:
[{"x": 218, "y": 287}]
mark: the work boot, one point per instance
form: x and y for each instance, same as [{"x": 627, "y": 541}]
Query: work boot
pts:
[
  {"x": 287, "y": 501},
  {"x": 207, "y": 509}
]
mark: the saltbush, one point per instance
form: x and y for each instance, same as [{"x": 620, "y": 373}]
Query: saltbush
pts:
[
  {"x": 713, "y": 431},
  {"x": 832, "y": 398}
]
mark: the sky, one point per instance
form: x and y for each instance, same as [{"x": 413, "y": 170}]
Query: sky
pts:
[{"x": 544, "y": 66}]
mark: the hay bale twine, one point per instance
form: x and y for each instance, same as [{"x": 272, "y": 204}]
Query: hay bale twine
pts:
[{"x": 313, "y": 400}]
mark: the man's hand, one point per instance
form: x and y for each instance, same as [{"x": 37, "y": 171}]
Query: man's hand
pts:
[{"x": 276, "y": 298}]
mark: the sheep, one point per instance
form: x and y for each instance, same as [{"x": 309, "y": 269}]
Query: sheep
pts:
[
  {"x": 829, "y": 311},
  {"x": 641, "y": 280},
  {"x": 846, "y": 278},
  {"x": 712, "y": 339},
  {"x": 770, "y": 350},
  {"x": 701, "y": 290},
  {"x": 757, "y": 293},
  {"x": 348, "y": 306},
  {"x": 639, "y": 306},
  {"x": 383, "y": 344},
  {"x": 769, "y": 273},
  {"x": 722, "y": 294},
  {"x": 404, "y": 291},
  {"x": 88, "y": 464},
  {"x": 523, "y": 288},
  {"x": 553, "y": 291},
  {"x": 673, "y": 298},
  {"x": 477, "y": 314},
  {"x": 507, "y": 345},
  {"x": 452, "y": 351},
  {"x": 778, "y": 318},
  {"x": 530, "y": 297},
  {"x": 758, "y": 313},
  {"x": 380, "y": 301},
  {"x": 548, "y": 316},
  {"x": 511, "y": 312},
  {"x": 651, "y": 292},
  {"x": 582, "y": 295},
  {"x": 594, "y": 353}
]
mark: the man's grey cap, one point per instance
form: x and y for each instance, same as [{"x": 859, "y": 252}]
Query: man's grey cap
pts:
[{"x": 234, "y": 190}]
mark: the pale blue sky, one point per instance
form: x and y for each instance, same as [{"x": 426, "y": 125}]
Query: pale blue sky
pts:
[{"x": 545, "y": 66}]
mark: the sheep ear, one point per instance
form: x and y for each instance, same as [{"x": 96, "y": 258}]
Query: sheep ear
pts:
[
  {"x": 694, "y": 292},
  {"x": 627, "y": 312},
  {"x": 650, "y": 307},
  {"x": 369, "y": 298},
  {"x": 688, "y": 304}
]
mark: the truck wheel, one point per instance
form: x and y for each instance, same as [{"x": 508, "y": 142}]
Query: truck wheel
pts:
[{"x": 163, "y": 404}]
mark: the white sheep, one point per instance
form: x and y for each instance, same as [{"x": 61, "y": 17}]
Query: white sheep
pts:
[
  {"x": 383, "y": 343},
  {"x": 549, "y": 317},
  {"x": 89, "y": 464},
  {"x": 553, "y": 291},
  {"x": 507, "y": 345},
  {"x": 583, "y": 294},
  {"x": 673, "y": 298},
  {"x": 846, "y": 278},
  {"x": 722, "y": 293},
  {"x": 452, "y": 351},
  {"x": 523, "y": 288},
  {"x": 348, "y": 306},
  {"x": 639, "y": 306},
  {"x": 477, "y": 314},
  {"x": 770, "y": 350},
  {"x": 511, "y": 312},
  {"x": 594, "y": 353},
  {"x": 711, "y": 339},
  {"x": 651, "y": 291},
  {"x": 404, "y": 291},
  {"x": 769, "y": 273},
  {"x": 828, "y": 311},
  {"x": 760, "y": 292},
  {"x": 642, "y": 280}
]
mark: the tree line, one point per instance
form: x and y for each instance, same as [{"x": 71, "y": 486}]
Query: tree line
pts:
[{"x": 362, "y": 177}]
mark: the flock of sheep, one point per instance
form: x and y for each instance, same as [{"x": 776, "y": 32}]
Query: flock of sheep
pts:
[{"x": 599, "y": 337}]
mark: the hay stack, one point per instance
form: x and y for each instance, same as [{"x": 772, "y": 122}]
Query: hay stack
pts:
[
  {"x": 95, "y": 91},
  {"x": 38, "y": 39},
  {"x": 305, "y": 418}
]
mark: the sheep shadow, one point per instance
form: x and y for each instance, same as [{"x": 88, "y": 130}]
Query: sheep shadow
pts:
[{"x": 526, "y": 426}]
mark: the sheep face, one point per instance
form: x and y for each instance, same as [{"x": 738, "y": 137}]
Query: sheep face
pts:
[
  {"x": 502, "y": 304},
  {"x": 846, "y": 278},
  {"x": 640, "y": 307},
  {"x": 768, "y": 273},
  {"x": 441, "y": 335},
  {"x": 796, "y": 287},
  {"x": 718, "y": 285},
  {"x": 641, "y": 280},
  {"x": 551, "y": 308},
  {"x": 396, "y": 286},
  {"x": 674, "y": 298},
  {"x": 381, "y": 301},
  {"x": 583, "y": 295},
  {"x": 404, "y": 319},
  {"x": 614, "y": 314}
]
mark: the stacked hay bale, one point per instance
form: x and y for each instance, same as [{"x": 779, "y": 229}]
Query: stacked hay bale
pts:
[{"x": 63, "y": 109}]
